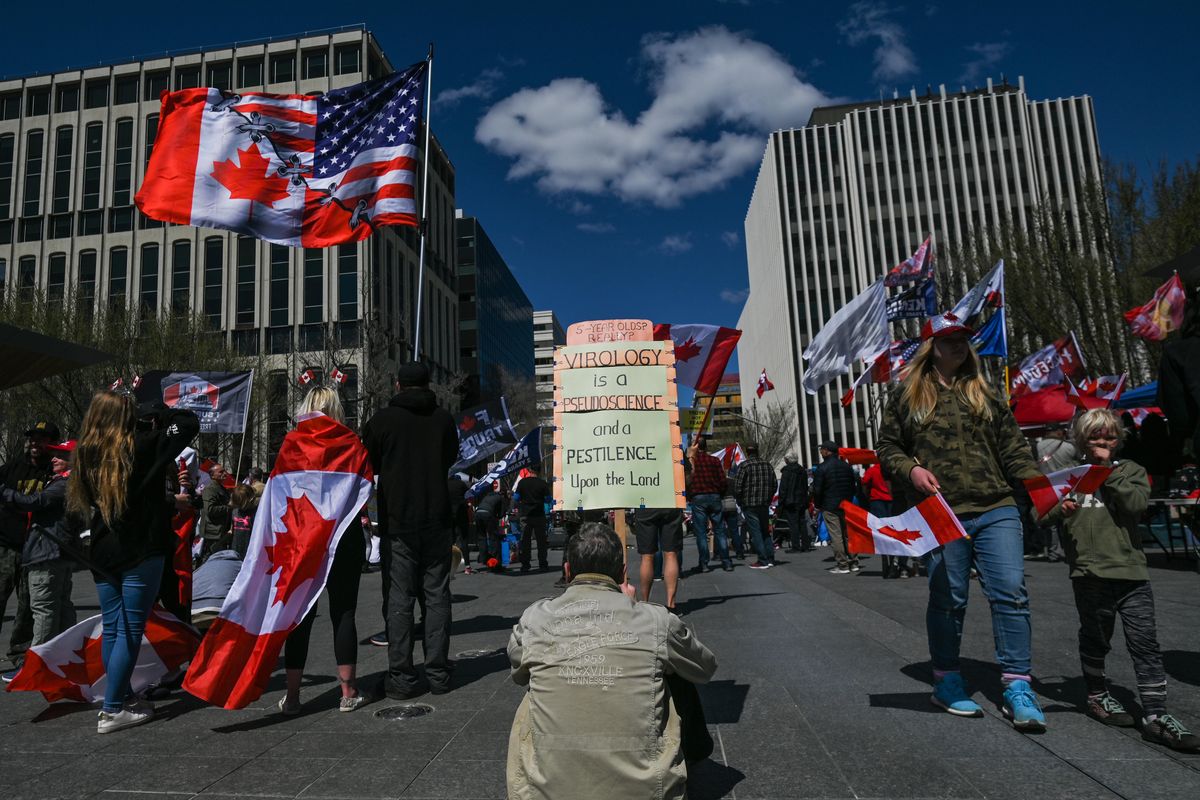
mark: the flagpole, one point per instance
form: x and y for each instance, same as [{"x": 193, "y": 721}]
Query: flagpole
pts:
[{"x": 424, "y": 226}]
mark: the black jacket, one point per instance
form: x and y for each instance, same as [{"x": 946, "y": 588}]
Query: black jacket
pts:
[
  {"x": 457, "y": 488},
  {"x": 144, "y": 530},
  {"x": 412, "y": 444},
  {"x": 20, "y": 475},
  {"x": 47, "y": 510},
  {"x": 793, "y": 486},
  {"x": 833, "y": 482},
  {"x": 1179, "y": 389}
]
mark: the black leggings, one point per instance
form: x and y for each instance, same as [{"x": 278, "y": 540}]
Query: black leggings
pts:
[{"x": 342, "y": 588}]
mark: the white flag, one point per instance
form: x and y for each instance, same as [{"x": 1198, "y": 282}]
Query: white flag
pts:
[
  {"x": 857, "y": 332},
  {"x": 989, "y": 291}
]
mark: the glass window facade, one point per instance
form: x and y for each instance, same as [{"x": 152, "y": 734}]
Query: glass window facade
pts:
[
  {"x": 148, "y": 285},
  {"x": 63, "y": 138},
  {"x": 32, "y": 204},
  {"x": 279, "y": 286},
  {"x": 214, "y": 279},
  {"x": 347, "y": 281},
  {"x": 247, "y": 269},
  {"x": 123, "y": 164},
  {"x": 8, "y": 144},
  {"x": 93, "y": 152},
  {"x": 314, "y": 285},
  {"x": 181, "y": 275},
  {"x": 283, "y": 67},
  {"x": 118, "y": 268}
]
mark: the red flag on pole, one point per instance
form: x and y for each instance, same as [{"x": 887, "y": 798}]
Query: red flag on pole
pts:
[{"x": 321, "y": 479}]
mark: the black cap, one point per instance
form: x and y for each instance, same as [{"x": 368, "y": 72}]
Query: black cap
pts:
[
  {"x": 830, "y": 446},
  {"x": 47, "y": 429},
  {"x": 151, "y": 408},
  {"x": 414, "y": 374}
]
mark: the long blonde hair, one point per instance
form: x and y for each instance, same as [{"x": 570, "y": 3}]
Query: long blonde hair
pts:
[
  {"x": 103, "y": 457},
  {"x": 324, "y": 400},
  {"x": 920, "y": 385}
]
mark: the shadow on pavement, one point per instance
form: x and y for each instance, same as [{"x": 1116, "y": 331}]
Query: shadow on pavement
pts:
[
  {"x": 694, "y": 604},
  {"x": 481, "y": 623},
  {"x": 1183, "y": 666},
  {"x": 709, "y": 779},
  {"x": 723, "y": 701},
  {"x": 905, "y": 701},
  {"x": 63, "y": 709}
]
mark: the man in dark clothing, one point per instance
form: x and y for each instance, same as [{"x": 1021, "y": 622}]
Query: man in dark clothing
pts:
[
  {"x": 705, "y": 486},
  {"x": 754, "y": 487},
  {"x": 457, "y": 486},
  {"x": 488, "y": 513},
  {"x": 28, "y": 473},
  {"x": 1179, "y": 380},
  {"x": 413, "y": 444},
  {"x": 834, "y": 482},
  {"x": 217, "y": 519},
  {"x": 531, "y": 494},
  {"x": 793, "y": 500}
]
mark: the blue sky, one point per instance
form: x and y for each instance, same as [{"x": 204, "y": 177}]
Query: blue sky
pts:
[{"x": 610, "y": 149}]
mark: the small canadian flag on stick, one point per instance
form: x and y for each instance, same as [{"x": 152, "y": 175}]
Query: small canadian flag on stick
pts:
[
  {"x": 764, "y": 384},
  {"x": 307, "y": 377},
  {"x": 339, "y": 377},
  {"x": 117, "y": 384},
  {"x": 924, "y": 527},
  {"x": 1046, "y": 491}
]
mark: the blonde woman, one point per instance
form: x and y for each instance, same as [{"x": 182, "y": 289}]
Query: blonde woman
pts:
[
  {"x": 116, "y": 488},
  {"x": 945, "y": 431},
  {"x": 341, "y": 586},
  {"x": 1109, "y": 577}
]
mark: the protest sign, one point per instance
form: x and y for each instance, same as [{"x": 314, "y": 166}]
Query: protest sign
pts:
[
  {"x": 610, "y": 330},
  {"x": 220, "y": 399},
  {"x": 615, "y": 459},
  {"x": 617, "y": 439},
  {"x": 691, "y": 420},
  {"x": 482, "y": 431}
]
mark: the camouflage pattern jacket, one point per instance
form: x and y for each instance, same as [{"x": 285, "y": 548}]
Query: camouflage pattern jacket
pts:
[{"x": 974, "y": 459}]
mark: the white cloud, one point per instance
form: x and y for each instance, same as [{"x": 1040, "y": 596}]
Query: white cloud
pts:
[
  {"x": 987, "y": 55},
  {"x": 579, "y": 208},
  {"x": 730, "y": 238},
  {"x": 483, "y": 88},
  {"x": 567, "y": 137},
  {"x": 869, "y": 20},
  {"x": 596, "y": 227},
  {"x": 675, "y": 244},
  {"x": 736, "y": 297}
]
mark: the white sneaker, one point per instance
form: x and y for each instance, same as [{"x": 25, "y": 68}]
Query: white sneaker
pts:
[
  {"x": 352, "y": 703},
  {"x": 127, "y": 717},
  {"x": 287, "y": 709}
]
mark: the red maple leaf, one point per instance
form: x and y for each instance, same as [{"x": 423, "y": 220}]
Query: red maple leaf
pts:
[
  {"x": 300, "y": 548},
  {"x": 252, "y": 179},
  {"x": 688, "y": 350},
  {"x": 90, "y": 666},
  {"x": 1106, "y": 387},
  {"x": 905, "y": 536},
  {"x": 467, "y": 423}
]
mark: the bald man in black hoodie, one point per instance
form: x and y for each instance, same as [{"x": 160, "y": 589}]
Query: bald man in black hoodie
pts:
[{"x": 413, "y": 444}]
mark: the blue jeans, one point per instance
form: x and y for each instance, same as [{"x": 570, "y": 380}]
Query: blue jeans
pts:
[
  {"x": 123, "y": 608},
  {"x": 706, "y": 508},
  {"x": 995, "y": 547},
  {"x": 758, "y": 520}
]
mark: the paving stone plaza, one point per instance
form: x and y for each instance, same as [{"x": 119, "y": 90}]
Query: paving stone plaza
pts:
[{"x": 822, "y": 691}]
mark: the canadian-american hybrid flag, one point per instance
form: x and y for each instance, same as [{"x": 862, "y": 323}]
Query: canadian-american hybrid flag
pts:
[{"x": 298, "y": 170}]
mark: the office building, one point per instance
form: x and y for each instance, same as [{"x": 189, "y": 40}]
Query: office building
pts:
[
  {"x": 548, "y": 333},
  {"x": 495, "y": 319},
  {"x": 840, "y": 201},
  {"x": 73, "y": 149},
  {"x": 727, "y": 420}
]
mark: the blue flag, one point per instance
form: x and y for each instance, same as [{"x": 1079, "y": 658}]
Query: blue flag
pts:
[
  {"x": 918, "y": 302},
  {"x": 992, "y": 338},
  {"x": 525, "y": 452}
]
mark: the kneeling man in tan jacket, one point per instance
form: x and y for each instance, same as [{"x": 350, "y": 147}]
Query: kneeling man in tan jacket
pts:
[{"x": 599, "y": 720}]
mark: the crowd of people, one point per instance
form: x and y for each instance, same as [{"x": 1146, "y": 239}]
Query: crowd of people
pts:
[{"x": 116, "y": 498}]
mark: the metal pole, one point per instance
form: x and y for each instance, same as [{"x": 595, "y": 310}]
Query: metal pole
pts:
[{"x": 424, "y": 210}]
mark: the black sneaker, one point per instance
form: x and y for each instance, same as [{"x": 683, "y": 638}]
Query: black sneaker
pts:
[
  {"x": 1105, "y": 708},
  {"x": 727, "y": 567},
  {"x": 379, "y": 639},
  {"x": 407, "y": 693},
  {"x": 1169, "y": 731}
]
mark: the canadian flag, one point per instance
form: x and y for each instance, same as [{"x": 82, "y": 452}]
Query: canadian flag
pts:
[
  {"x": 339, "y": 377},
  {"x": 70, "y": 666},
  {"x": 117, "y": 384},
  {"x": 764, "y": 384},
  {"x": 1109, "y": 387},
  {"x": 1073, "y": 395},
  {"x": 730, "y": 456},
  {"x": 322, "y": 477},
  {"x": 1046, "y": 491},
  {"x": 701, "y": 353},
  {"x": 307, "y": 377},
  {"x": 924, "y": 527}
]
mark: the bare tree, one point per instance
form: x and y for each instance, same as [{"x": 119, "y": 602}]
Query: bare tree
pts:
[{"x": 771, "y": 425}]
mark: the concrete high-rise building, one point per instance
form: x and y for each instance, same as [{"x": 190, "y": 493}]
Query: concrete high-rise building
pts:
[
  {"x": 840, "y": 201},
  {"x": 548, "y": 333},
  {"x": 495, "y": 319},
  {"x": 73, "y": 149}
]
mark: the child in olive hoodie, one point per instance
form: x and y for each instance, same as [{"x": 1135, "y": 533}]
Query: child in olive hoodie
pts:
[{"x": 1102, "y": 543}]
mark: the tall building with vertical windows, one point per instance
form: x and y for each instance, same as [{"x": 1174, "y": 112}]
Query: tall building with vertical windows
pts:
[
  {"x": 840, "y": 201},
  {"x": 548, "y": 333},
  {"x": 495, "y": 317},
  {"x": 73, "y": 149}
]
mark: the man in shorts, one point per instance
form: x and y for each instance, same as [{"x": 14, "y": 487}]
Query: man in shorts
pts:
[{"x": 659, "y": 529}]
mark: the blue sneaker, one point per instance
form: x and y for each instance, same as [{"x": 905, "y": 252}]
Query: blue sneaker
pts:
[
  {"x": 1021, "y": 706},
  {"x": 950, "y": 693}
]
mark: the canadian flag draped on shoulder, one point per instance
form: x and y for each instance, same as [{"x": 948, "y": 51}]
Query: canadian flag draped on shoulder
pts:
[
  {"x": 297, "y": 170},
  {"x": 322, "y": 477}
]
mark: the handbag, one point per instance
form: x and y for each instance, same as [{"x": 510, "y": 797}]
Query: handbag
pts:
[{"x": 728, "y": 505}]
